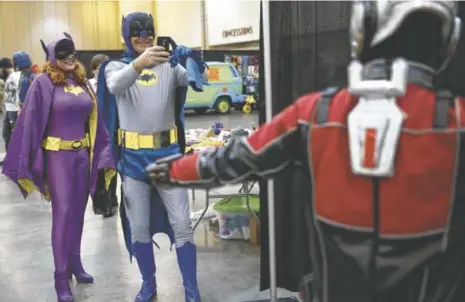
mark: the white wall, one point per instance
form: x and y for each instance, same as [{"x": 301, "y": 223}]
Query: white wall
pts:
[
  {"x": 180, "y": 20},
  {"x": 232, "y": 14}
]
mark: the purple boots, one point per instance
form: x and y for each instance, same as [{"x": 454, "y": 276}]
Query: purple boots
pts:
[
  {"x": 69, "y": 265},
  {"x": 66, "y": 244},
  {"x": 62, "y": 288},
  {"x": 75, "y": 268}
]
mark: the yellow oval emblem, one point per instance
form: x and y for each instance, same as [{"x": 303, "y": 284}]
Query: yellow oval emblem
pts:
[
  {"x": 76, "y": 145},
  {"x": 76, "y": 90},
  {"x": 147, "y": 78}
]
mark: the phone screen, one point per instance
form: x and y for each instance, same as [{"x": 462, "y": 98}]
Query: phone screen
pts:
[{"x": 163, "y": 42}]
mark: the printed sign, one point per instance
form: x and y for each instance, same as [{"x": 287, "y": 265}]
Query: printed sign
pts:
[
  {"x": 238, "y": 32},
  {"x": 213, "y": 74}
]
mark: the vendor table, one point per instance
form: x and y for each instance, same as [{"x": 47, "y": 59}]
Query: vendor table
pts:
[{"x": 244, "y": 191}]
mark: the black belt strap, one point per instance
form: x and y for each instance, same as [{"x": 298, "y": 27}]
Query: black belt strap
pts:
[
  {"x": 444, "y": 100},
  {"x": 323, "y": 104}
]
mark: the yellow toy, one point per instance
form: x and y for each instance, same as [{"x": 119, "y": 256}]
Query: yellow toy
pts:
[
  {"x": 249, "y": 102},
  {"x": 206, "y": 143}
]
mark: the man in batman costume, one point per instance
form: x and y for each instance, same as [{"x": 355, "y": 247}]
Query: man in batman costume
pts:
[{"x": 141, "y": 97}]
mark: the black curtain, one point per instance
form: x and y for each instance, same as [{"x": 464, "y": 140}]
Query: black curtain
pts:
[
  {"x": 454, "y": 76},
  {"x": 310, "y": 51}
]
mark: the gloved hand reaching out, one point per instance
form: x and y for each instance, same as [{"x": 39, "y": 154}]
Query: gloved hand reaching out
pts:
[{"x": 159, "y": 171}]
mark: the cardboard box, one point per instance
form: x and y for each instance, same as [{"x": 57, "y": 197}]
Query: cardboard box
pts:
[{"x": 254, "y": 230}]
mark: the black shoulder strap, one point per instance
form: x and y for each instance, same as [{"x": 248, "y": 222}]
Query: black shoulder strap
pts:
[
  {"x": 322, "y": 109},
  {"x": 444, "y": 100}
]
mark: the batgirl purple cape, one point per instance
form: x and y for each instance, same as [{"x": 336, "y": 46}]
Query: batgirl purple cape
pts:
[{"x": 24, "y": 163}]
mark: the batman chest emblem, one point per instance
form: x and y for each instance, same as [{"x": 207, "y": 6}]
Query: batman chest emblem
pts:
[
  {"x": 147, "y": 78},
  {"x": 76, "y": 90}
]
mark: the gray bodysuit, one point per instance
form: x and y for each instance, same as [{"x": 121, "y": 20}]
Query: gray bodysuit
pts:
[
  {"x": 145, "y": 101},
  {"x": 145, "y": 104}
]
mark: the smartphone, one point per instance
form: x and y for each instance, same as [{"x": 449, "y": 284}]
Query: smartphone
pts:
[{"x": 164, "y": 42}]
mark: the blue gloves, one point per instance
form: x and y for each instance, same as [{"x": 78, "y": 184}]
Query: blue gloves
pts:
[{"x": 194, "y": 64}]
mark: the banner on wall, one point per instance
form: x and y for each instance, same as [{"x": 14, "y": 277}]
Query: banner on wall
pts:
[{"x": 232, "y": 21}]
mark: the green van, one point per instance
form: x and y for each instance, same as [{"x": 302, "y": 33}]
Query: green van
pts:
[{"x": 224, "y": 90}]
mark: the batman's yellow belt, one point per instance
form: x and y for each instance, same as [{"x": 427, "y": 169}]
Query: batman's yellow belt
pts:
[
  {"x": 157, "y": 140},
  {"x": 51, "y": 143}
]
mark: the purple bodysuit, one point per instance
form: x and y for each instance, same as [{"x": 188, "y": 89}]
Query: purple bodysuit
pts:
[{"x": 69, "y": 114}]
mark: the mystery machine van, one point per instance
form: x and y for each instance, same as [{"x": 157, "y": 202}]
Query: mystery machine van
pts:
[{"x": 223, "y": 92}]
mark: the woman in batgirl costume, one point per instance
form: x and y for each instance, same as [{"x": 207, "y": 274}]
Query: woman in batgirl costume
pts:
[{"x": 60, "y": 148}]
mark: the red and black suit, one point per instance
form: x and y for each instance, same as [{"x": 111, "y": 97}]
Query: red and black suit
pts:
[{"x": 398, "y": 239}]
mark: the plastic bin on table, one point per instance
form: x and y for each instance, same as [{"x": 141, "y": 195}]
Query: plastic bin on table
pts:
[{"x": 234, "y": 216}]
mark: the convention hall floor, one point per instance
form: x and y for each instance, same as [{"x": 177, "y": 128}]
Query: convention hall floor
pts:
[{"x": 227, "y": 270}]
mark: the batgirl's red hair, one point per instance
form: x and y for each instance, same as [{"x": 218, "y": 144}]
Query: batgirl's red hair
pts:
[{"x": 58, "y": 76}]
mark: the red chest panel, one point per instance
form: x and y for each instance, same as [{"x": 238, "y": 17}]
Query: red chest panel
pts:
[{"x": 417, "y": 199}]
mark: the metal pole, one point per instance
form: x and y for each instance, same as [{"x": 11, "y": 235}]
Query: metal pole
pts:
[
  {"x": 204, "y": 25},
  {"x": 269, "y": 116}
]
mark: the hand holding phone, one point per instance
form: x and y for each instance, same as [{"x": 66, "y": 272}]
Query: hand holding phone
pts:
[{"x": 151, "y": 57}]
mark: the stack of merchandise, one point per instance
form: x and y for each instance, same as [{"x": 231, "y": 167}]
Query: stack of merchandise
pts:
[
  {"x": 216, "y": 136},
  {"x": 234, "y": 216}
]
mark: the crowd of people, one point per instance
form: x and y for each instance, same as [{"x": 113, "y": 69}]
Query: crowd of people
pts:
[
  {"x": 67, "y": 137},
  {"x": 16, "y": 75}
]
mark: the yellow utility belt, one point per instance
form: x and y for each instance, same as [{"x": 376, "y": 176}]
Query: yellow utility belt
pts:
[
  {"x": 157, "y": 140},
  {"x": 51, "y": 143}
]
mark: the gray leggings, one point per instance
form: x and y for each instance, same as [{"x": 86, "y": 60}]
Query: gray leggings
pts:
[{"x": 137, "y": 198}]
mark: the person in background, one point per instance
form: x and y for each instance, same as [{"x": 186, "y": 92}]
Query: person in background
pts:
[
  {"x": 97, "y": 60},
  {"x": 2, "y": 87},
  {"x": 35, "y": 69},
  {"x": 23, "y": 63},
  {"x": 5, "y": 69},
  {"x": 112, "y": 207},
  {"x": 11, "y": 99},
  {"x": 59, "y": 147}
]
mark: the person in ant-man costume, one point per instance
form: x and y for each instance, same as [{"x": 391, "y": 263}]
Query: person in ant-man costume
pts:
[{"x": 383, "y": 158}]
